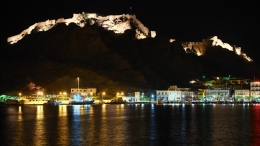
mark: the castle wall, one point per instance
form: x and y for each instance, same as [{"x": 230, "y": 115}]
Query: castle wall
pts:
[{"x": 200, "y": 47}]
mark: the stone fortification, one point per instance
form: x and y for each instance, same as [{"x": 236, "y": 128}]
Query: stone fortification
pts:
[
  {"x": 116, "y": 23},
  {"x": 200, "y": 47}
]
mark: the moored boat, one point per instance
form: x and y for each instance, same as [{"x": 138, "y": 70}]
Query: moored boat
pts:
[
  {"x": 81, "y": 102},
  {"x": 53, "y": 102},
  {"x": 117, "y": 101},
  {"x": 11, "y": 102},
  {"x": 33, "y": 101}
]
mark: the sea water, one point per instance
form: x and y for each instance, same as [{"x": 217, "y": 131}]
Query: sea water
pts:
[{"x": 130, "y": 124}]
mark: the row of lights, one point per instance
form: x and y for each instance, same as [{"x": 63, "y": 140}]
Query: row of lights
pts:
[{"x": 41, "y": 93}]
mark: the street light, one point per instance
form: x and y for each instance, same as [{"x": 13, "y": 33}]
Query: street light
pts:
[
  {"x": 218, "y": 97},
  {"x": 78, "y": 83},
  {"x": 103, "y": 94},
  {"x": 218, "y": 81}
]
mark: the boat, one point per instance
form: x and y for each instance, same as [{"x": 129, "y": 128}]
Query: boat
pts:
[
  {"x": 11, "y": 102},
  {"x": 117, "y": 101},
  {"x": 79, "y": 100},
  {"x": 33, "y": 101},
  {"x": 53, "y": 102},
  {"x": 160, "y": 101}
]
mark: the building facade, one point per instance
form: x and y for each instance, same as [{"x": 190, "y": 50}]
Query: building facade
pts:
[
  {"x": 217, "y": 94},
  {"x": 255, "y": 90},
  {"x": 175, "y": 94},
  {"x": 242, "y": 94},
  {"x": 84, "y": 91}
]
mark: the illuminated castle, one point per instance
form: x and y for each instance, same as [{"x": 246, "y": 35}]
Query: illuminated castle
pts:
[
  {"x": 116, "y": 23},
  {"x": 200, "y": 47}
]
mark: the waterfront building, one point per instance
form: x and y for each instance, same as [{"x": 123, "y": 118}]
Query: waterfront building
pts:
[
  {"x": 255, "y": 90},
  {"x": 217, "y": 94},
  {"x": 187, "y": 95},
  {"x": 163, "y": 94},
  {"x": 242, "y": 94},
  {"x": 137, "y": 96},
  {"x": 175, "y": 94},
  {"x": 84, "y": 91}
]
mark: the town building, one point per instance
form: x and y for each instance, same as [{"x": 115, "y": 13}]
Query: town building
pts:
[
  {"x": 255, "y": 90},
  {"x": 175, "y": 94},
  {"x": 84, "y": 91},
  {"x": 217, "y": 94},
  {"x": 242, "y": 95}
]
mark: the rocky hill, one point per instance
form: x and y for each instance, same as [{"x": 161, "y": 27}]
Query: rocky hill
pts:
[{"x": 108, "y": 61}]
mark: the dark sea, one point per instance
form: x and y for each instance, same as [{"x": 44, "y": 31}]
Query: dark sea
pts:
[{"x": 130, "y": 125}]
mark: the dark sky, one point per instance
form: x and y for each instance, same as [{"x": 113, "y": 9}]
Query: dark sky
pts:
[{"x": 235, "y": 23}]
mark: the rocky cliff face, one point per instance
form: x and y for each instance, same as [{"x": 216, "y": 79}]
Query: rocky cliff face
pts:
[
  {"x": 119, "y": 24},
  {"x": 107, "y": 59}
]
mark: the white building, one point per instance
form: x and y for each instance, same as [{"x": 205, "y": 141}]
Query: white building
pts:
[
  {"x": 174, "y": 94},
  {"x": 242, "y": 94},
  {"x": 217, "y": 94},
  {"x": 255, "y": 90},
  {"x": 84, "y": 91}
]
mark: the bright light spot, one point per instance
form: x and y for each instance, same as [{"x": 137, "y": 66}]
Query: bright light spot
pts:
[
  {"x": 172, "y": 40},
  {"x": 192, "y": 82}
]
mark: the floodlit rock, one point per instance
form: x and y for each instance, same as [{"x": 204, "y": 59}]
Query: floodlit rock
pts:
[
  {"x": 200, "y": 47},
  {"x": 139, "y": 34},
  {"x": 172, "y": 40},
  {"x": 238, "y": 50},
  {"x": 92, "y": 15},
  {"x": 121, "y": 27},
  {"x": 43, "y": 26},
  {"x": 116, "y": 23},
  {"x": 218, "y": 42}
]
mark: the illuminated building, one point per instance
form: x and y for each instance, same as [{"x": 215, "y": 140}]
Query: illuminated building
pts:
[
  {"x": 84, "y": 91},
  {"x": 217, "y": 94},
  {"x": 242, "y": 94},
  {"x": 175, "y": 94},
  {"x": 255, "y": 90}
]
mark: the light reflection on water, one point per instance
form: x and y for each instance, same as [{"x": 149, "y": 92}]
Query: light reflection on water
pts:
[
  {"x": 131, "y": 124},
  {"x": 39, "y": 125}
]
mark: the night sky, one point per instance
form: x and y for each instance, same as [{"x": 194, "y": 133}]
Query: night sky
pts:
[{"x": 234, "y": 23}]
